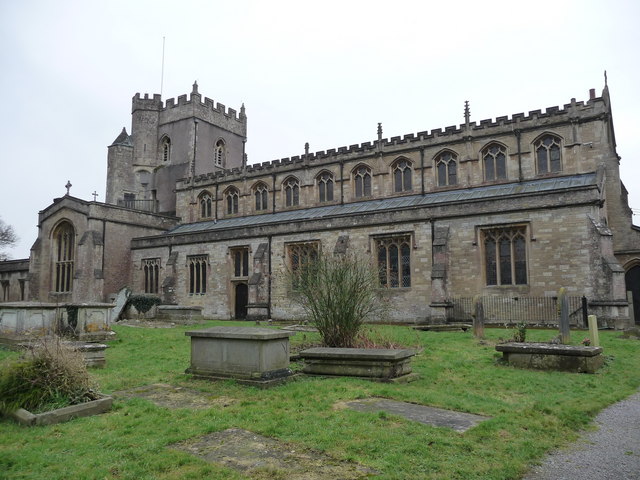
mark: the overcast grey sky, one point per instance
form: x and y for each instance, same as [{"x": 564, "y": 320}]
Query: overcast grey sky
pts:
[{"x": 319, "y": 72}]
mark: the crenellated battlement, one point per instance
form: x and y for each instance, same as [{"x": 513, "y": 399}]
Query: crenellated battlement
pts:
[{"x": 486, "y": 127}]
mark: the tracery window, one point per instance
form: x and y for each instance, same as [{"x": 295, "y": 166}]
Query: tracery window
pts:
[
  {"x": 232, "y": 197},
  {"x": 548, "y": 157},
  {"x": 325, "y": 187},
  {"x": 240, "y": 258},
  {"x": 362, "y": 181},
  {"x": 206, "y": 202},
  {"x": 219, "y": 153},
  {"x": 261, "y": 194},
  {"x": 166, "y": 149},
  {"x": 446, "y": 168},
  {"x": 64, "y": 248},
  {"x": 402, "y": 172},
  {"x": 197, "y": 265},
  {"x": 151, "y": 268},
  {"x": 299, "y": 256},
  {"x": 495, "y": 162},
  {"x": 291, "y": 188},
  {"x": 394, "y": 261},
  {"x": 505, "y": 255}
]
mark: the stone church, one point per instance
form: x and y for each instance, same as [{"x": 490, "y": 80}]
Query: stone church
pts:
[{"x": 513, "y": 209}]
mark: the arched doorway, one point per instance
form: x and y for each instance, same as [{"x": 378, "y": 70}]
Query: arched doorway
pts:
[
  {"x": 632, "y": 280},
  {"x": 242, "y": 298}
]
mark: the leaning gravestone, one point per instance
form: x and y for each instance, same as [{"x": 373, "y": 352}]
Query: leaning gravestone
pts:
[{"x": 121, "y": 302}]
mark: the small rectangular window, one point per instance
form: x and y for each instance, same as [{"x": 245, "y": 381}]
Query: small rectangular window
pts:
[{"x": 240, "y": 258}]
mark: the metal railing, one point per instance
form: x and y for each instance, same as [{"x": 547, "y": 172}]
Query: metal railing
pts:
[
  {"x": 144, "y": 205},
  {"x": 511, "y": 310}
]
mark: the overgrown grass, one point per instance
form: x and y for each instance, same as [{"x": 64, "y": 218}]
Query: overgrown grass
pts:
[{"x": 531, "y": 412}]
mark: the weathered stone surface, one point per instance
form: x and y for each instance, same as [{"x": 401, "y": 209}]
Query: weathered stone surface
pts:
[
  {"x": 170, "y": 396},
  {"x": 437, "y": 417},
  {"x": 246, "y": 353},
  {"x": 545, "y": 356},
  {"x": 357, "y": 362},
  {"x": 60, "y": 415},
  {"x": 93, "y": 353},
  {"x": 263, "y": 457}
]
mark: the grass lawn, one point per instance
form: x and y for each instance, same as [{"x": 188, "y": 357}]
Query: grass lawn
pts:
[{"x": 532, "y": 412}]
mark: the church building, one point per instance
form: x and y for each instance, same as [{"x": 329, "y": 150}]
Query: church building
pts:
[{"x": 513, "y": 208}]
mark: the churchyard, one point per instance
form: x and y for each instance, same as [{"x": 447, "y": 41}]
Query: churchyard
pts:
[{"x": 167, "y": 425}]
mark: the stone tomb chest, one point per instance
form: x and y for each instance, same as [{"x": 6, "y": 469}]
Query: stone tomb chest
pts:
[{"x": 248, "y": 354}]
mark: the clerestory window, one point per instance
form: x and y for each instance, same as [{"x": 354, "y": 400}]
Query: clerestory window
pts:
[
  {"x": 548, "y": 156},
  {"x": 261, "y": 194},
  {"x": 446, "y": 169},
  {"x": 325, "y": 187},
  {"x": 494, "y": 158},
  {"x": 291, "y": 188},
  {"x": 402, "y": 172},
  {"x": 206, "y": 201},
  {"x": 232, "y": 199},
  {"x": 362, "y": 181}
]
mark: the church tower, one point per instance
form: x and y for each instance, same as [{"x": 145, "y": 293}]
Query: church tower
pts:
[{"x": 170, "y": 141}]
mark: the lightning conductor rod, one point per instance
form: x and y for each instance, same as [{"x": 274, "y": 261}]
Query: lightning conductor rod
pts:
[{"x": 162, "y": 73}]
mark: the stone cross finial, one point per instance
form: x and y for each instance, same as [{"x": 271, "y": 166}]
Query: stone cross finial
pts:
[
  {"x": 95, "y": 195},
  {"x": 68, "y": 186}
]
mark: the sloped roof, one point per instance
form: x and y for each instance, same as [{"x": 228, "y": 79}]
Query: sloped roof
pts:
[
  {"x": 395, "y": 203},
  {"x": 123, "y": 139}
]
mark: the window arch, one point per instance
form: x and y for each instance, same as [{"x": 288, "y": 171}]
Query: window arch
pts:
[
  {"x": 325, "y": 186},
  {"x": 64, "y": 251},
  {"x": 261, "y": 195},
  {"x": 446, "y": 168},
  {"x": 165, "y": 145},
  {"x": 548, "y": 154},
  {"x": 219, "y": 153},
  {"x": 362, "y": 181},
  {"x": 494, "y": 159},
  {"x": 205, "y": 200},
  {"x": 505, "y": 250},
  {"x": 232, "y": 198},
  {"x": 291, "y": 188},
  {"x": 402, "y": 171}
]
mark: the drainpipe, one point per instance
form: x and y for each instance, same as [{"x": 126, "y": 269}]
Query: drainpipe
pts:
[
  {"x": 273, "y": 196},
  {"x": 517, "y": 133},
  {"x": 269, "y": 279},
  {"x": 422, "y": 169},
  {"x": 215, "y": 201},
  {"x": 341, "y": 182}
]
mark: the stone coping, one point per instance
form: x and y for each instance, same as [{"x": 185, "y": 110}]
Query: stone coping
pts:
[
  {"x": 549, "y": 349},
  {"x": 54, "y": 305},
  {"x": 64, "y": 414},
  {"x": 357, "y": 353},
  {"x": 179, "y": 308},
  {"x": 240, "y": 333}
]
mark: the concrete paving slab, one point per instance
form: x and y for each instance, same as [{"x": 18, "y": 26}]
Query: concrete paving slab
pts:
[
  {"x": 263, "y": 457},
  {"x": 437, "y": 417}
]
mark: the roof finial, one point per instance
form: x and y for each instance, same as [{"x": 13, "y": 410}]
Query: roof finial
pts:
[
  {"x": 195, "y": 87},
  {"x": 68, "y": 186},
  {"x": 605, "y": 78},
  {"x": 306, "y": 148},
  {"x": 379, "y": 131},
  {"x": 467, "y": 112}
]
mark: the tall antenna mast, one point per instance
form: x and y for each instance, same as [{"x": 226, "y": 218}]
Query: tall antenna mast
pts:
[{"x": 162, "y": 74}]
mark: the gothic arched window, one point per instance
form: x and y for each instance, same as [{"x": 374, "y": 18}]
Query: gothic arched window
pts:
[
  {"x": 232, "y": 197},
  {"x": 446, "y": 169},
  {"x": 291, "y": 188},
  {"x": 64, "y": 250},
  {"x": 261, "y": 194},
  {"x": 166, "y": 148},
  {"x": 205, "y": 200},
  {"x": 219, "y": 153},
  {"x": 548, "y": 157},
  {"x": 325, "y": 187},
  {"x": 362, "y": 181},
  {"x": 402, "y": 175},
  {"x": 494, "y": 159}
]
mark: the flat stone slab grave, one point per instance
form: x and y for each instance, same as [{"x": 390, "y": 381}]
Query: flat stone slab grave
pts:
[
  {"x": 170, "y": 396},
  {"x": 252, "y": 355},
  {"x": 264, "y": 457},
  {"x": 377, "y": 364},
  {"x": 548, "y": 356},
  {"x": 437, "y": 417}
]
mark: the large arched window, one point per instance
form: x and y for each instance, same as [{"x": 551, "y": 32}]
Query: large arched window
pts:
[
  {"x": 325, "y": 187},
  {"x": 64, "y": 250},
  {"x": 362, "y": 181},
  {"x": 505, "y": 255},
  {"x": 232, "y": 196},
  {"x": 291, "y": 188},
  {"x": 446, "y": 169},
  {"x": 205, "y": 201},
  {"x": 548, "y": 157},
  {"x": 261, "y": 194},
  {"x": 402, "y": 175},
  {"x": 219, "y": 153},
  {"x": 494, "y": 160},
  {"x": 165, "y": 148}
]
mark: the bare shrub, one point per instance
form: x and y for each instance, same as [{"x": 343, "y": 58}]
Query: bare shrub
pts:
[
  {"x": 48, "y": 375},
  {"x": 338, "y": 294}
]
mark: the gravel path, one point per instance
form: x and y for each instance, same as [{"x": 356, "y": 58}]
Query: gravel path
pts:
[{"x": 612, "y": 452}]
